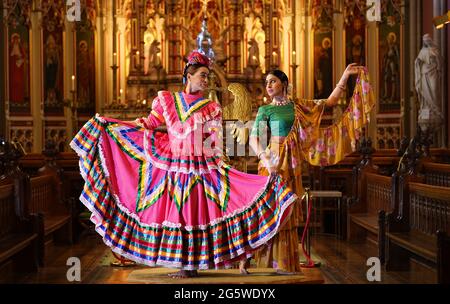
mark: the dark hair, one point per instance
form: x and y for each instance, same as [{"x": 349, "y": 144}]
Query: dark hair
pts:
[
  {"x": 191, "y": 69},
  {"x": 282, "y": 76}
]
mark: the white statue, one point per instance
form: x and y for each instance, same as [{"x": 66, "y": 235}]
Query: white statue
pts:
[{"x": 428, "y": 76}]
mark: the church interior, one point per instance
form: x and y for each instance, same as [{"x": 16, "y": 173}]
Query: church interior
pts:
[{"x": 382, "y": 215}]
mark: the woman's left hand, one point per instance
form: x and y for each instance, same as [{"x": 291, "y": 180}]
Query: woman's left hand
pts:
[{"x": 352, "y": 69}]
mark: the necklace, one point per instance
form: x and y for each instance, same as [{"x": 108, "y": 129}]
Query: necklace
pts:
[{"x": 281, "y": 101}]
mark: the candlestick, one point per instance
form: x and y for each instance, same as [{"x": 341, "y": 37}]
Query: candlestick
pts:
[{"x": 137, "y": 58}]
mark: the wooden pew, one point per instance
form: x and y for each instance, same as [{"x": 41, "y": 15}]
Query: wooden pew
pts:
[
  {"x": 443, "y": 260},
  {"x": 18, "y": 236},
  {"x": 366, "y": 217},
  {"x": 66, "y": 166},
  {"x": 412, "y": 238},
  {"x": 73, "y": 184},
  {"x": 31, "y": 163},
  {"x": 436, "y": 174},
  {"x": 44, "y": 199}
]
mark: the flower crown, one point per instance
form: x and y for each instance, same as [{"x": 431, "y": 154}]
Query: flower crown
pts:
[{"x": 195, "y": 57}]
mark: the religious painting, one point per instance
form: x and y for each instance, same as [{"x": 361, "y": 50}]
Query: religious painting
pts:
[
  {"x": 18, "y": 54},
  {"x": 53, "y": 20},
  {"x": 53, "y": 72},
  {"x": 389, "y": 52},
  {"x": 323, "y": 48},
  {"x": 85, "y": 65},
  {"x": 355, "y": 44}
]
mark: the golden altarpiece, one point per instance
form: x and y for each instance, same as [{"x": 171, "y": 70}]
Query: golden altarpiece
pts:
[{"x": 65, "y": 62}]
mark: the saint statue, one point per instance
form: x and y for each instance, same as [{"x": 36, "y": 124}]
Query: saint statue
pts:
[{"x": 428, "y": 84}]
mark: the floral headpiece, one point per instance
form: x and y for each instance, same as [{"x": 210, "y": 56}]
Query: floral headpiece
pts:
[{"x": 195, "y": 57}]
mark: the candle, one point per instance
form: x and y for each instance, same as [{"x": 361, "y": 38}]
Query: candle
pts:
[
  {"x": 265, "y": 99},
  {"x": 274, "y": 57},
  {"x": 144, "y": 102},
  {"x": 293, "y": 57},
  {"x": 73, "y": 83},
  {"x": 137, "y": 57},
  {"x": 114, "y": 58}
]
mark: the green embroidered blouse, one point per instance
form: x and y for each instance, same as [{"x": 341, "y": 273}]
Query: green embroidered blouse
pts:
[{"x": 279, "y": 119}]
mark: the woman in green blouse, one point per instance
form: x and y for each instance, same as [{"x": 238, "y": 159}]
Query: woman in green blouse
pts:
[{"x": 284, "y": 157}]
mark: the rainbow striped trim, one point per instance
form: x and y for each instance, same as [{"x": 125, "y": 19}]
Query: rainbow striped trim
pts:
[
  {"x": 185, "y": 110},
  {"x": 136, "y": 152},
  {"x": 219, "y": 192}
]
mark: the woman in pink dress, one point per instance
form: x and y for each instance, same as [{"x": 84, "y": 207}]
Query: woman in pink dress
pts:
[{"x": 168, "y": 199}]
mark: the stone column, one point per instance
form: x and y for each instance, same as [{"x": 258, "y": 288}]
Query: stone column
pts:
[
  {"x": 414, "y": 45},
  {"x": 69, "y": 59},
  {"x": 235, "y": 65},
  {"x": 174, "y": 41},
  {"x": 440, "y": 38},
  {"x": 37, "y": 82},
  {"x": 102, "y": 96},
  {"x": 3, "y": 71},
  {"x": 372, "y": 65}
]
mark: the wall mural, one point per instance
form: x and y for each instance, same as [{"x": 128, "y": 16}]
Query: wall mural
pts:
[
  {"x": 355, "y": 40},
  {"x": 389, "y": 52},
  {"x": 85, "y": 58},
  {"x": 52, "y": 21},
  {"x": 323, "y": 48},
  {"x": 18, "y": 55}
]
